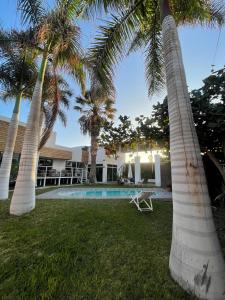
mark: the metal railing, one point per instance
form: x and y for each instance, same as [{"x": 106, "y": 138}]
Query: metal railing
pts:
[{"x": 67, "y": 175}]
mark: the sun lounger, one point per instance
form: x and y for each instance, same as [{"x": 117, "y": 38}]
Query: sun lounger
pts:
[{"x": 143, "y": 201}]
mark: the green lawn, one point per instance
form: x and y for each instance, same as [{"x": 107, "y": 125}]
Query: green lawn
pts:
[{"x": 70, "y": 249}]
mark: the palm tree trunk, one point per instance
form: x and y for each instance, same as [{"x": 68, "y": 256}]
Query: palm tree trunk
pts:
[
  {"x": 94, "y": 148},
  {"x": 196, "y": 260},
  {"x": 8, "y": 151},
  {"x": 23, "y": 199},
  {"x": 39, "y": 138}
]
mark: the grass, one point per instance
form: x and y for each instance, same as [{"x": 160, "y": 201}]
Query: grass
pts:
[{"x": 86, "y": 249}]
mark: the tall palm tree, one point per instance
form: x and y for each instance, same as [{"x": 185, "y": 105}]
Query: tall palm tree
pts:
[
  {"x": 95, "y": 108},
  {"x": 57, "y": 37},
  {"x": 17, "y": 76},
  {"x": 196, "y": 260}
]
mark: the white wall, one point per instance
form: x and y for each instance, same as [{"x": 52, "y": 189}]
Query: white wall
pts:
[
  {"x": 51, "y": 140},
  {"x": 59, "y": 164},
  {"x": 77, "y": 153},
  {"x": 100, "y": 156},
  {"x": 100, "y": 159}
]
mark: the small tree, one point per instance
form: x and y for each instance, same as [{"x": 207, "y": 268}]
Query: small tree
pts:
[
  {"x": 95, "y": 109},
  {"x": 115, "y": 138}
]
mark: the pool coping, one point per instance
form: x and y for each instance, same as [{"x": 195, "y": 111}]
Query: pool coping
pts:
[{"x": 55, "y": 193}]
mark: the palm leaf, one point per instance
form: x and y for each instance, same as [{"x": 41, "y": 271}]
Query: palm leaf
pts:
[
  {"x": 109, "y": 45},
  {"x": 32, "y": 11}
]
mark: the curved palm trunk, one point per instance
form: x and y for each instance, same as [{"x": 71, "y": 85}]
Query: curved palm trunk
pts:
[
  {"x": 196, "y": 260},
  {"x": 23, "y": 199},
  {"x": 39, "y": 138},
  {"x": 94, "y": 148},
  {"x": 8, "y": 151}
]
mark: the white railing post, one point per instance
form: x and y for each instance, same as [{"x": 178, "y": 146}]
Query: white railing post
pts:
[
  {"x": 82, "y": 175},
  {"x": 59, "y": 182},
  {"x": 137, "y": 169},
  {"x": 157, "y": 171}
]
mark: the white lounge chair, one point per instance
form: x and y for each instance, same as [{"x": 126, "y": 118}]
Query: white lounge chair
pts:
[{"x": 145, "y": 198}]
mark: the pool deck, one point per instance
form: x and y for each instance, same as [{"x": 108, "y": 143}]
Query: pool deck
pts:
[{"x": 64, "y": 193}]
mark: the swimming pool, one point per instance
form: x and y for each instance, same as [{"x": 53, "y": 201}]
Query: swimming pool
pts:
[{"x": 102, "y": 193}]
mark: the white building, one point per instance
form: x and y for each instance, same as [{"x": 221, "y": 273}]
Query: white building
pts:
[{"x": 66, "y": 165}]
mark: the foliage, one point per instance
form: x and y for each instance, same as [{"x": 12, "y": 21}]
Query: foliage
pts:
[
  {"x": 56, "y": 34},
  {"x": 149, "y": 132},
  {"x": 18, "y": 71},
  {"x": 56, "y": 97},
  {"x": 208, "y": 105},
  {"x": 113, "y": 137},
  {"x": 154, "y": 130},
  {"x": 95, "y": 109},
  {"x": 18, "y": 74},
  {"x": 136, "y": 24}
]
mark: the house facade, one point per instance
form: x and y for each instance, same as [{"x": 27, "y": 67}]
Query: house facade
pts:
[{"x": 68, "y": 165}]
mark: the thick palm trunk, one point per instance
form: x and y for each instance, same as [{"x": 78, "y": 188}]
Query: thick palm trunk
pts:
[
  {"x": 196, "y": 260},
  {"x": 8, "y": 151},
  {"x": 94, "y": 148},
  {"x": 23, "y": 199}
]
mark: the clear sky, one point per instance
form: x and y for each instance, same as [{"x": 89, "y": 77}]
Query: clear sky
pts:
[{"x": 199, "y": 48}]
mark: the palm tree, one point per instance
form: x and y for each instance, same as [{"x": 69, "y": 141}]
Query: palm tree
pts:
[
  {"x": 57, "y": 37},
  {"x": 196, "y": 260},
  {"x": 56, "y": 97},
  {"x": 95, "y": 108},
  {"x": 17, "y": 76}
]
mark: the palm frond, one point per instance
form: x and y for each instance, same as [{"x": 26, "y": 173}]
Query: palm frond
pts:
[
  {"x": 78, "y": 108},
  {"x": 94, "y": 7},
  {"x": 62, "y": 117},
  {"x": 95, "y": 109},
  {"x": 56, "y": 93},
  {"x": 72, "y": 8},
  {"x": 154, "y": 62},
  {"x": 32, "y": 11},
  {"x": 140, "y": 40},
  {"x": 109, "y": 45},
  {"x": 201, "y": 11}
]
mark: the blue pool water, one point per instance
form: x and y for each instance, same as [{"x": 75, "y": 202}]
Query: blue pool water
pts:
[
  {"x": 107, "y": 193},
  {"x": 102, "y": 193}
]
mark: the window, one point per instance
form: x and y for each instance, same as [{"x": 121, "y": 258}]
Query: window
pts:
[
  {"x": 74, "y": 164},
  {"x": 111, "y": 172},
  {"x": 99, "y": 172},
  {"x": 45, "y": 162}
]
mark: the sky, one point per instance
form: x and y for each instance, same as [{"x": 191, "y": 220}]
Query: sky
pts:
[{"x": 201, "y": 47}]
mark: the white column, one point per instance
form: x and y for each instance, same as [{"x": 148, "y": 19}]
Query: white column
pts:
[
  {"x": 137, "y": 169},
  {"x": 157, "y": 170},
  {"x": 104, "y": 172}
]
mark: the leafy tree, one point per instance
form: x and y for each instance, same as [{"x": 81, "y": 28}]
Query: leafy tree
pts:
[
  {"x": 95, "y": 108},
  {"x": 208, "y": 107},
  {"x": 115, "y": 137}
]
